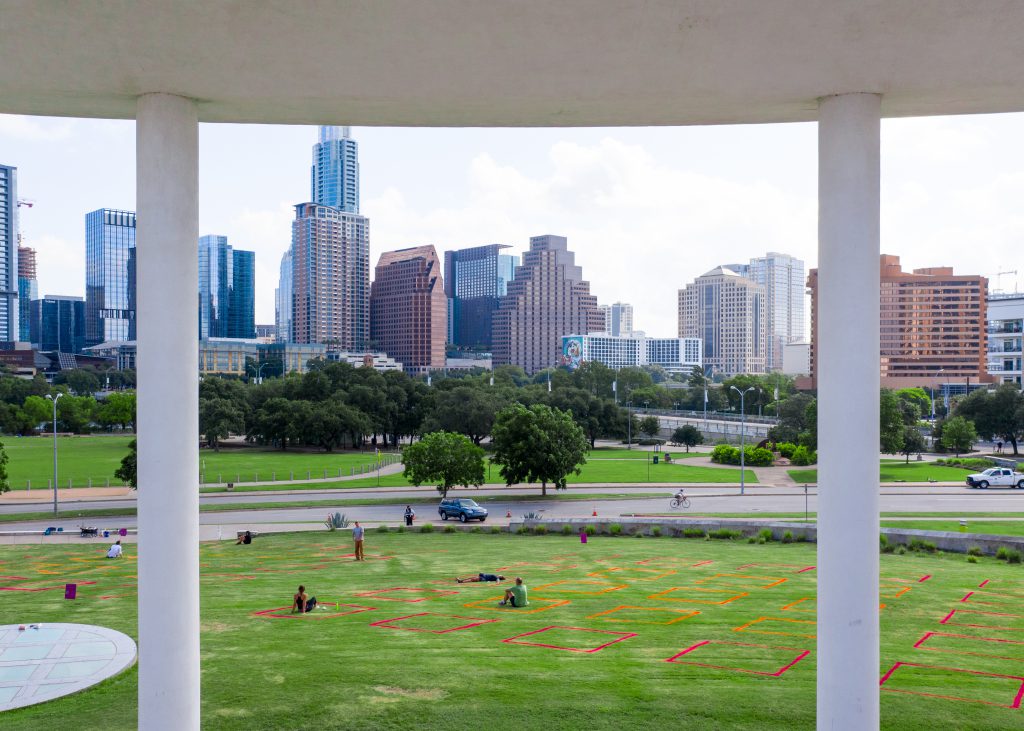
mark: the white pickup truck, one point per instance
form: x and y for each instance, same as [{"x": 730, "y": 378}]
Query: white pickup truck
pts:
[{"x": 997, "y": 476}]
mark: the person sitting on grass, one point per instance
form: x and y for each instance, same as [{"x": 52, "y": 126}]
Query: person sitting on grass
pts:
[
  {"x": 245, "y": 538},
  {"x": 301, "y": 603},
  {"x": 115, "y": 550},
  {"x": 479, "y": 577},
  {"x": 515, "y": 595}
]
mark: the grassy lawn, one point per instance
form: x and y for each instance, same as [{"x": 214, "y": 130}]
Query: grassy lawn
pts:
[
  {"x": 78, "y": 459},
  {"x": 341, "y": 672},
  {"x": 998, "y": 528},
  {"x": 896, "y": 471}
]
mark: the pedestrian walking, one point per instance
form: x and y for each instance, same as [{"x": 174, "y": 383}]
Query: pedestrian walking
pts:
[{"x": 410, "y": 514}]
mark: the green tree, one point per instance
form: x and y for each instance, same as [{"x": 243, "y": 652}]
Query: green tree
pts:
[
  {"x": 76, "y": 413},
  {"x": 538, "y": 444},
  {"x": 38, "y": 410},
  {"x": 697, "y": 378},
  {"x": 446, "y": 459},
  {"x": 913, "y": 441},
  {"x": 688, "y": 435},
  {"x": 958, "y": 435},
  {"x": 4, "y": 484},
  {"x": 916, "y": 396},
  {"x": 998, "y": 413},
  {"x": 650, "y": 425},
  {"x": 128, "y": 472},
  {"x": 218, "y": 418},
  {"x": 468, "y": 410},
  {"x": 118, "y": 408},
  {"x": 890, "y": 431},
  {"x": 792, "y": 413},
  {"x": 82, "y": 382},
  {"x": 595, "y": 377}
]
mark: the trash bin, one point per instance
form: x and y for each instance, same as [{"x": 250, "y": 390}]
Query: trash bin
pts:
[
  {"x": 655, "y": 459},
  {"x": 231, "y": 486}
]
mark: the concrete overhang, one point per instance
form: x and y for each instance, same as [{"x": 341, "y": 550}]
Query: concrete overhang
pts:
[{"x": 511, "y": 62}]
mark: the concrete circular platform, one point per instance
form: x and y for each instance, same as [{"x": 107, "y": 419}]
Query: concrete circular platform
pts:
[{"x": 54, "y": 660}]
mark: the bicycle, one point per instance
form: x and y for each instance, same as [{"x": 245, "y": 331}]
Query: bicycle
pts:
[{"x": 676, "y": 503}]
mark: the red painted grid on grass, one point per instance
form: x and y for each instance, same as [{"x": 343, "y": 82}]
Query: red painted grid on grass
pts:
[
  {"x": 983, "y": 617},
  {"x": 377, "y": 594},
  {"x": 996, "y": 644},
  {"x": 619, "y": 637},
  {"x": 390, "y": 623},
  {"x": 286, "y": 613},
  {"x": 796, "y": 654},
  {"x": 1015, "y": 700}
]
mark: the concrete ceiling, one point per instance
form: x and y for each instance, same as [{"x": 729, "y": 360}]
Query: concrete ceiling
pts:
[{"x": 510, "y": 62}]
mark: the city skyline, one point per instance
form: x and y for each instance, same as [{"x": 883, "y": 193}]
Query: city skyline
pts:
[{"x": 689, "y": 197}]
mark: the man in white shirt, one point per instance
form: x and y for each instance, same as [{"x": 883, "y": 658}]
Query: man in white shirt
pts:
[{"x": 115, "y": 550}]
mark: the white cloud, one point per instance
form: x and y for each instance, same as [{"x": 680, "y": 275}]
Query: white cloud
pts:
[
  {"x": 34, "y": 129},
  {"x": 59, "y": 263}
]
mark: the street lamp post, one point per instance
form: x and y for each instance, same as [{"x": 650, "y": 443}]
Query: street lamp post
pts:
[
  {"x": 54, "y": 399},
  {"x": 629, "y": 425},
  {"x": 743, "y": 433},
  {"x": 259, "y": 372}
]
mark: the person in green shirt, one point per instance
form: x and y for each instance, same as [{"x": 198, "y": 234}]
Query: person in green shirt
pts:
[{"x": 516, "y": 594}]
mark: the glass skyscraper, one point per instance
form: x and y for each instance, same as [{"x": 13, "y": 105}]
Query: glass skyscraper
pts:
[
  {"x": 227, "y": 292},
  {"x": 28, "y": 289},
  {"x": 474, "y": 279},
  {"x": 57, "y": 323},
  {"x": 784, "y": 282},
  {"x": 335, "y": 172},
  {"x": 8, "y": 253},
  {"x": 283, "y": 300},
  {"x": 109, "y": 286}
]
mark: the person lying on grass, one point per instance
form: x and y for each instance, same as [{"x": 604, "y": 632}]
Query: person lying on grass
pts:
[
  {"x": 515, "y": 595},
  {"x": 478, "y": 577},
  {"x": 302, "y": 603}
]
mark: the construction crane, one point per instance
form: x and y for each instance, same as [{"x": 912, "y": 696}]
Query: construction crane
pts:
[
  {"x": 28, "y": 204},
  {"x": 997, "y": 276}
]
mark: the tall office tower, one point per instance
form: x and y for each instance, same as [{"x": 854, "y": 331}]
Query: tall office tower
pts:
[
  {"x": 474, "y": 280},
  {"x": 727, "y": 312},
  {"x": 330, "y": 277},
  {"x": 227, "y": 294},
  {"x": 57, "y": 323},
  {"x": 283, "y": 300},
  {"x": 408, "y": 308},
  {"x": 783, "y": 279},
  {"x": 548, "y": 298},
  {"x": 932, "y": 329},
  {"x": 242, "y": 302},
  {"x": 335, "y": 171},
  {"x": 618, "y": 319},
  {"x": 109, "y": 279},
  {"x": 9, "y": 328},
  {"x": 28, "y": 289}
]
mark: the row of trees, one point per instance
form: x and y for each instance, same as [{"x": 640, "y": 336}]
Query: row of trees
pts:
[
  {"x": 531, "y": 444},
  {"x": 24, "y": 408}
]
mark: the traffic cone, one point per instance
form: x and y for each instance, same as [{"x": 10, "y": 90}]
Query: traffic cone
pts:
[
  {"x": 508, "y": 514},
  {"x": 595, "y": 513}
]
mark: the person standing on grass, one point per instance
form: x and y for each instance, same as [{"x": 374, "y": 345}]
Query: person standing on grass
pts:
[
  {"x": 357, "y": 536},
  {"x": 409, "y": 515}
]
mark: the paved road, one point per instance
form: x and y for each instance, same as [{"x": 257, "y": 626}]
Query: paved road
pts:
[{"x": 710, "y": 500}]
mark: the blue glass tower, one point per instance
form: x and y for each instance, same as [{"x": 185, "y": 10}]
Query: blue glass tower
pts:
[
  {"x": 8, "y": 253},
  {"x": 335, "y": 172},
  {"x": 227, "y": 292},
  {"x": 109, "y": 288},
  {"x": 474, "y": 279},
  {"x": 57, "y": 323}
]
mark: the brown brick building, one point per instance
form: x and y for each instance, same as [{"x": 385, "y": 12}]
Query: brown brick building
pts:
[
  {"x": 932, "y": 326},
  {"x": 547, "y": 299},
  {"x": 408, "y": 308}
]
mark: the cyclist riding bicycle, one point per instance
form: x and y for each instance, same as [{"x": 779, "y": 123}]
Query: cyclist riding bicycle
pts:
[{"x": 680, "y": 496}]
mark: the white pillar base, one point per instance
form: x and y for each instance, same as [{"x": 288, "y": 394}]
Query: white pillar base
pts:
[
  {"x": 848, "y": 383},
  {"x": 167, "y": 267}
]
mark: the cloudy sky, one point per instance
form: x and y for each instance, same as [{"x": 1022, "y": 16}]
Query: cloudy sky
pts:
[{"x": 645, "y": 209}]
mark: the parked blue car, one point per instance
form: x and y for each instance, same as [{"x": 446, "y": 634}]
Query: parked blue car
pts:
[{"x": 462, "y": 508}]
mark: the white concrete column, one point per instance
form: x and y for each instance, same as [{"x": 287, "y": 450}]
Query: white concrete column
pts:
[
  {"x": 167, "y": 180},
  {"x": 848, "y": 382}
]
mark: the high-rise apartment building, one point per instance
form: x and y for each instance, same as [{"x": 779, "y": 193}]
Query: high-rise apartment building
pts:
[
  {"x": 57, "y": 323},
  {"x": 28, "y": 289},
  {"x": 676, "y": 355},
  {"x": 618, "y": 319},
  {"x": 474, "y": 280},
  {"x": 727, "y": 312},
  {"x": 334, "y": 176},
  {"x": 1006, "y": 337},
  {"x": 283, "y": 300},
  {"x": 408, "y": 308},
  {"x": 9, "y": 328},
  {"x": 932, "y": 329},
  {"x": 227, "y": 293},
  {"x": 109, "y": 276},
  {"x": 548, "y": 298},
  {"x": 783, "y": 279},
  {"x": 330, "y": 260}
]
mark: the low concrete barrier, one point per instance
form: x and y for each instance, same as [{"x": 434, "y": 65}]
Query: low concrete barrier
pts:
[{"x": 673, "y": 527}]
